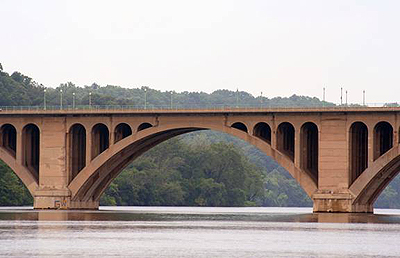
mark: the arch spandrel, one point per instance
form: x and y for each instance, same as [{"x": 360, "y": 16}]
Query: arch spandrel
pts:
[{"x": 99, "y": 173}]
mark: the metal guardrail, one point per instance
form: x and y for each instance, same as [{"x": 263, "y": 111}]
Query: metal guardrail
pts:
[{"x": 221, "y": 107}]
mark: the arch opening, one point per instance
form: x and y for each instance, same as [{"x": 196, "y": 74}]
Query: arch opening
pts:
[
  {"x": 9, "y": 138},
  {"x": 90, "y": 185},
  {"x": 383, "y": 138},
  {"x": 100, "y": 139},
  {"x": 77, "y": 149},
  {"x": 240, "y": 126},
  {"x": 358, "y": 150},
  {"x": 285, "y": 139},
  {"x": 121, "y": 131},
  {"x": 144, "y": 126},
  {"x": 31, "y": 149},
  {"x": 309, "y": 149},
  {"x": 100, "y": 180},
  {"x": 263, "y": 131}
]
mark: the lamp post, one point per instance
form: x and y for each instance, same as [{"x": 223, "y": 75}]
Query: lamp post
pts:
[
  {"x": 363, "y": 97},
  {"x": 171, "y": 99},
  {"x": 44, "y": 99},
  {"x": 90, "y": 100},
  {"x": 261, "y": 100},
  {"x": 237, "y": 98},
  {"x": 73, "y": 100},
  {"x": 145, "y": 98},
  {"x": 61, "y": 99},
  {"x": 341, "y": 96}
]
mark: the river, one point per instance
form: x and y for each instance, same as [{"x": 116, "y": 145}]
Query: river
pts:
[{"x": 197, "y": 232}]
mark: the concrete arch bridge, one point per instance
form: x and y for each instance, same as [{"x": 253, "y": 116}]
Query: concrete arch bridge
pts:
[{"x": 342, "y": 157}]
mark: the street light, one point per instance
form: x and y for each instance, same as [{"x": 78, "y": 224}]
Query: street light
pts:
[
  {"x": 90, "y": 100},
  {"x": 261, "y": 100},
  {"x": 363, "y": 97},
  {"x": 341, "y": 96},
  {"x": 145, "y": 98},
  {"x": 61, "y": 99},
  {"x": 73, "y": 100},
  {"x": 171, "y": 99},
  {"x": 237, "y": 98},
  {"x": 44, "y": 100}
]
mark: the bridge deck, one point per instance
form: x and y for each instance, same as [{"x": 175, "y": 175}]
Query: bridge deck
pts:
[{"x": 198, "y": 111}]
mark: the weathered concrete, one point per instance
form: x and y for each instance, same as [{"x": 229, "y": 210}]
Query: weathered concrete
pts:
[{"x": 319, "y": 148}]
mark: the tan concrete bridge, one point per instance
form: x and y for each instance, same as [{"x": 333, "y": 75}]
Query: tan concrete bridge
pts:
[{"x": 342, "y": 157}]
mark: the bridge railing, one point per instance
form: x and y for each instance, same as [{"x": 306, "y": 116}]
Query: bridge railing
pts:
[{"x": 150, "y": 107}]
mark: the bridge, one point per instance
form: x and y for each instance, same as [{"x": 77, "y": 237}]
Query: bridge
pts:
[{"x": 342, "y": 157}]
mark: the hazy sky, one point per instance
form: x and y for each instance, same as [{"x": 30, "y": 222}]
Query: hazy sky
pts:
[{"x": 279, "y": 48}]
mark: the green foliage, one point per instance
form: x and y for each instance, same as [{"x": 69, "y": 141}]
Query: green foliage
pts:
[
  {"x": 389, "y": 198},
  {"x": 176, "y": 173},
  {"x": 21, "y": 90},
  {"x": 12, "y": 190},
  {"x": 202, "y": 169}
]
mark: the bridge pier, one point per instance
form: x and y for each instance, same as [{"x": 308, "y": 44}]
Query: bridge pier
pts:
[
  {"x": 339, "y": 203},
  {"x": 61, "y": 199}
]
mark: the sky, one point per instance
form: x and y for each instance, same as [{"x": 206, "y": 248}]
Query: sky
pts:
[{"x": 279, "y": 48}]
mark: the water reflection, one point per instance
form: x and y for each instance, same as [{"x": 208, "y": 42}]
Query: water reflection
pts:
[
  {"x": 303, "y": 215},
  {"x": 197, "y": 232}
]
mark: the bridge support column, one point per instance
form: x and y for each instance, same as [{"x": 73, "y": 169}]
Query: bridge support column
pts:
[
  {"x": 53, "y": 192},
  {"x": 338, "y": 202},
  {"x": 61, "y": 199}
]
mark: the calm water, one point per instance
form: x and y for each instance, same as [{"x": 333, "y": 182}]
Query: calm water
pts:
[{"x": 198, "y": 232}]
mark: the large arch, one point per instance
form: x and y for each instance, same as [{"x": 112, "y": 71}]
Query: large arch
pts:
[
  {"x": 100, "y": 139},
  {"x": 358, "y": 148},
  {"x": 144, "y": 126},
  {"x": 31, "y": 149},
  {"x": 77, "y": 149},
  {"x": 309, "y": 149},
  {"x": 263, "y": 131},
  {"x": 383, "y": 138},
  {"x": 8, "y": 156},
  {"x": 90, "y": 183},
  {"x": 285, "y": 139},
  {"x": 9, "y": 138},
  {"x": 121, "y": 131},
  {"x": 240, "y": 126}
]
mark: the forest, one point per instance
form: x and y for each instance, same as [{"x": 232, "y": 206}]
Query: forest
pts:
[{"x": 205, "y": 168}]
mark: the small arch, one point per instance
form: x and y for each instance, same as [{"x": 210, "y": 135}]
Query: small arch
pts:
[
  {"x": 77, "y": 149},
  {"x": 285, "y": 139},
  {"x": 31, "y": 149},
  {"x": 240, "y": 126},
  {"x": 383, "y": 138},
  {"x": 358, "y": 150},
  {"x": 309, "y": 145},
  {"x": 122, "y": 130},
  {"x": 100, "y": 139},
  {"x": 9, "y": 138},
  {"x": 262, "y": 131},
  {"x": 144, "y": 126}
]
